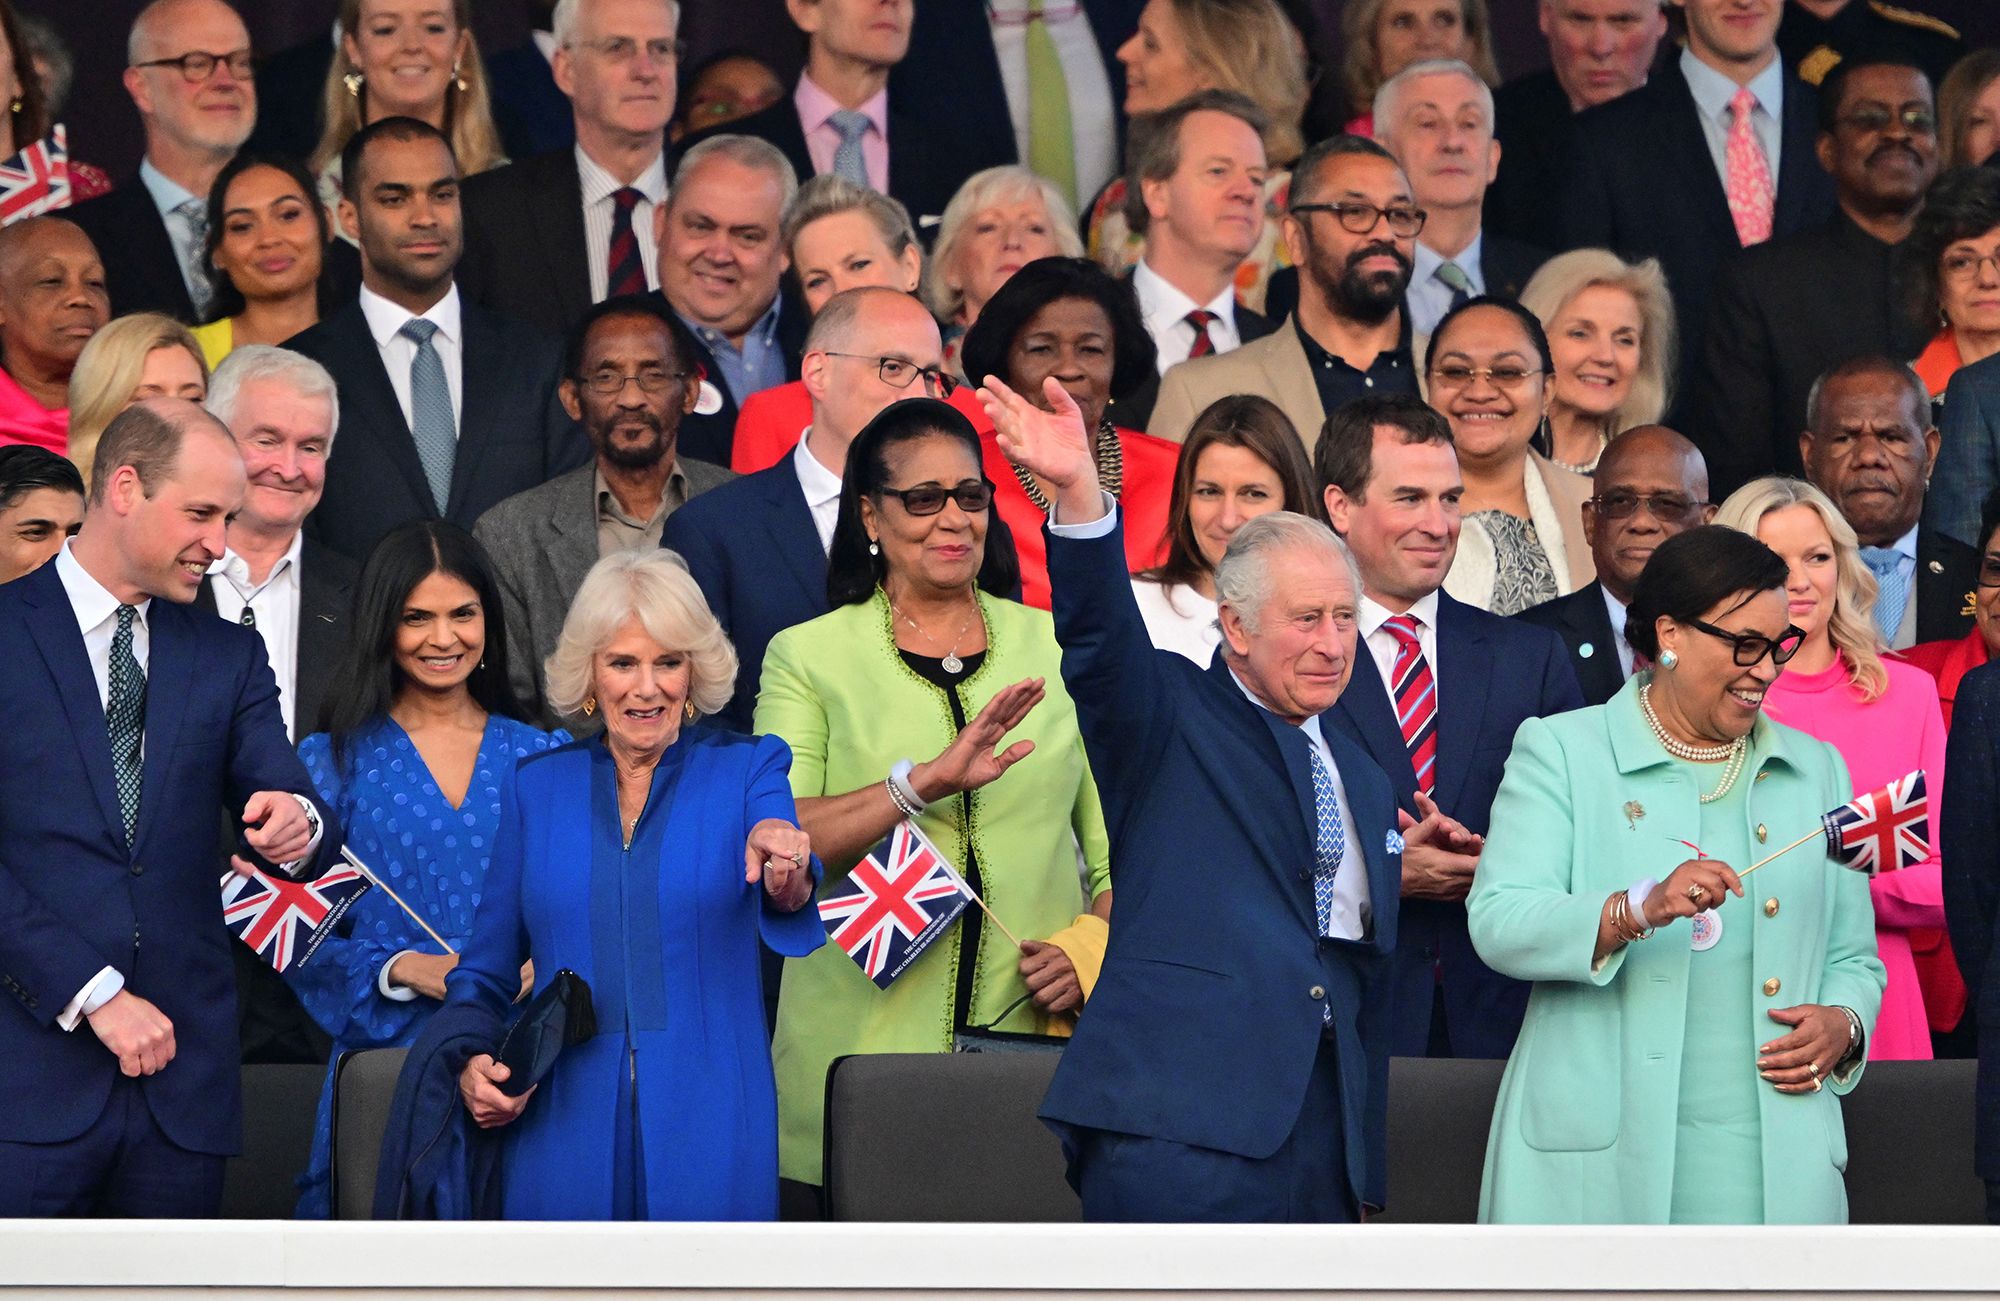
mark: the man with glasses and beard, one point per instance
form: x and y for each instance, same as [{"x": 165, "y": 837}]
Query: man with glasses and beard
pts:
[
  {"x": 629, "y": 376},
  {"x": 1351, "y": 229}
]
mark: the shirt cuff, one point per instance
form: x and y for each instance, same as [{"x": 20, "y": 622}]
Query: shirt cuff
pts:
[
  {"x": 103, "y": 987},
  {"x": 1097, "y": 528},
  {"x": 393, "y": 992},
  {"x": 312, "y": 846}
]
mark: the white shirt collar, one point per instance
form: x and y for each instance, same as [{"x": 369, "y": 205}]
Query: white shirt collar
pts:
[
  {"x": 1712, "y": 91},
  {"x": 1372, "y": 615},
  {"x": 545, "y": 42},
  {"x": 237, "y": 570},
  {"x": 1164, "y": 306},
  {"x": 167, "y": 194},
  {"x": 1427, "y": 260},
  {"x": 599, "y": 185},
  {"x": 821, "y": 485},
  {"x": 88, "y": 598},
  {"x": 1310, "y": 726},
  {"x": 385, "y": 319}
]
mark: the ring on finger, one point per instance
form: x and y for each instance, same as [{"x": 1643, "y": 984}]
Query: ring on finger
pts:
[
  {"x": 1696, "y": 894},
  {"x": 1814, "y": 1068},
  {"x": 1818, "y": 1084}
]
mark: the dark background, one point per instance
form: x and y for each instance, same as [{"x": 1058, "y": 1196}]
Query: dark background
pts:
[{"x": 104, "y": 130}]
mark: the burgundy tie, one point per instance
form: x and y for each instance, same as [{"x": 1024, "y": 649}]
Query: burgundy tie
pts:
[
  {"x": 1204, "y": 343},
  {"x": 1416, "y": 700},
  {"x": 625, "y": 273}
]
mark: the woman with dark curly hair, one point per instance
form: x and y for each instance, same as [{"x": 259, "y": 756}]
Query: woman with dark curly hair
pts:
[
  {"x": 1068, "y": 320},
  {"x": 1954, "y": 272}
]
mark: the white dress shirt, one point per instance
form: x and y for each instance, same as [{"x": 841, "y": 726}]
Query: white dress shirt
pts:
[
  {"x": 1381, "y": 642},
  {"x": 599, "y": 208},
  {"x": 1428, "y": 297},
  {"x": 822, "y": 489},
  {"x": 275, "y": 605},
  {"x": 1083, "y": 71},
  {"x": 1352, "y": 911},
  {"x": 385, "y": 322},
  {"x": 186, "y": 238},
  {"x": 1712, "y": 92},
  {"x": 1616, "y": 609},
  {"x": 1165, "y": 310}
]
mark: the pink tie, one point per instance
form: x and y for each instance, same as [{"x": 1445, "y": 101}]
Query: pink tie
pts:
[{"x": 1751, "y": 194}]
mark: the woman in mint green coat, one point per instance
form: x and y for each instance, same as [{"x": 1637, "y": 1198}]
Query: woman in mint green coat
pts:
[{"x": 1688, "y": 1039}]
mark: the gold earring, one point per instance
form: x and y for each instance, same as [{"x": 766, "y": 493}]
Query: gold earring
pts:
[
  {"x": 690, "y": 711},
  {"x": 458, "y": 76},
  {"x": 354, "y": 82},
  {"x": 589, "y": 706},
  {"x": 15, "y": 107}
]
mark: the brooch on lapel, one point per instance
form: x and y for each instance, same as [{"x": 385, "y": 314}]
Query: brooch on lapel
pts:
[
  {"x": 1394, "y": 844},
  {"x": 1633, "y": 812}
]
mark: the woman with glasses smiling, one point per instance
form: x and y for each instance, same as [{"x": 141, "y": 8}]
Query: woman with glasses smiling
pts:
[
  {"x": 1522, "y": 542},
  {"x": 910, "y": 701},
  {"x": 1690, "y": 1032},
  {"x": 1883, "y": 717}
]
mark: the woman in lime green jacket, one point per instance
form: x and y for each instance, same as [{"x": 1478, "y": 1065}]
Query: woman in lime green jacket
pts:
[
  {"x": 1688, "y": 1039},
  {"x": 918, "y": 695}
]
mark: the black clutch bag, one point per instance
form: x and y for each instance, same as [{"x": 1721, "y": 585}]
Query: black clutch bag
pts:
[{"x": 559, "y": 1016}]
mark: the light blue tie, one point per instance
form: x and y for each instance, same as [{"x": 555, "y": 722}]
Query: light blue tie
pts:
[
  {"x": 1886, "y": 563},
  {"x": 125, "y": 718},
  {"x": 432, "y": 425},
  {"x": 848, "y": 161},
  {"x": 1328, "y": 846}
]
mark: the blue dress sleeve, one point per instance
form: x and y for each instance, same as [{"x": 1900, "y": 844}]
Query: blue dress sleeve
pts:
[
  {"x": 488, "y": 974},
  {"x": 769, "y": 795}
]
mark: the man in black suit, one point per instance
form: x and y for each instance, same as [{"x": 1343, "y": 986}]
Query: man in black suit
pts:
[
  {"x": 550, "y": 235},
  {"x": 447, "y": 409},
  {"x": 1786, "y": 310},
  {"x": 1197, "y": 198},
  {"x": 1598, "y": 50},
  {"x": 1650, "y": 484},
  {"x": 1869, "y": 444},
  {"x": 844, "y": 114},
  {"x": 197, "y": 110},
  {"x": 1649, "y": 172},
  {"x": 281, "y": 408},
  {"x": 722, "y": 268}
]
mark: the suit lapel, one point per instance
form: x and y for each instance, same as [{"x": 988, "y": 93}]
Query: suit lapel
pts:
[
  {"x": 1364, "y": 715},
  {"x": 368, "y": 399},
  {"x": 1287, "y": 847},
  {"x": 1584, "y": 612},
  {"x": 1462, "y": 648},
  {"x": 52, "y": 623},
  {"x": 323, "y": 602},
  {"x": 793, "y": 534},
  {"x": 1683, "y": 142},
  {"x": 170, "y": 665},
  {"x": 1798, "y": 162},
  {"x": 480, "y": 414},
  {"x": 570, "y": 535},
  {"x": 1290, "y": 377},
  {"x": 155, "y": 257},
  {"x": 204, "y": 596},
  {"x": 556, "y": 215}
]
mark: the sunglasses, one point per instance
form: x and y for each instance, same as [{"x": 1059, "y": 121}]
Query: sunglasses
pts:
[{"x": 972, "y": 496}]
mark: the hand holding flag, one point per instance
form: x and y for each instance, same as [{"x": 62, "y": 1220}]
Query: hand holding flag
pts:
[{"x": 1884, "y": 830}]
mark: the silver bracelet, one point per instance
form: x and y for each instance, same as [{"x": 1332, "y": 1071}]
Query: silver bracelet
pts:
[
  {"x": 896, "y": 797},
  {"x": 1854, "y": 1031},
  {"x": 899, "y": 781}
]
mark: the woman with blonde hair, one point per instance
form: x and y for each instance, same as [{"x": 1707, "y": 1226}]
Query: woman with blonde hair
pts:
[
  {"x": 1612, "y": 341},
  {"x": 144, "y": 355},
  {"x": 406, "y": 58},
  {"x": 1000, "y": 220},
  {"x": 1383, "y": 37},
  {"x": 1882, "y": 716},
  {"x": 1968, "y": 103},
  {"x": 1184, "y": 46}
]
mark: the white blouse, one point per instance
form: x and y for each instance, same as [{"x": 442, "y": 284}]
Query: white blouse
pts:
[{"x": 1178, "y": 619}]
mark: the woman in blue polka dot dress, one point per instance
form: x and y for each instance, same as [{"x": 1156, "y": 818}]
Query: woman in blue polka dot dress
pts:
[{"x": 419, "y": 732}]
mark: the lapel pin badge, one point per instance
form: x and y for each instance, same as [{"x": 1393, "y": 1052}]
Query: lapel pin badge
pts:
[{"x": 1633, "y": 812}]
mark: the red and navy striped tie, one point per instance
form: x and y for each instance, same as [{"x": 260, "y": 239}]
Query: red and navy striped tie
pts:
[
  {"x": 1415, "y": 693},
  {"x": 625, "y": 272}
]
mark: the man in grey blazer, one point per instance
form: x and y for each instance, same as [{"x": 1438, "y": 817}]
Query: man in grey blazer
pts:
[{"x": 629, "y": 376}]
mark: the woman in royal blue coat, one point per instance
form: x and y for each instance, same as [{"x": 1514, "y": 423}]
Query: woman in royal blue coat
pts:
[{"x": 650, "y": 861}]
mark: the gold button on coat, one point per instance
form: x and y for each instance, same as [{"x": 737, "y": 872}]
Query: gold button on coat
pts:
[
  {"x": 1770, "y": 907},
  {"x": 1771, "y": 987},
  {"x": 1761, "y": 833},
  {"x": 1317, "y": 991}
]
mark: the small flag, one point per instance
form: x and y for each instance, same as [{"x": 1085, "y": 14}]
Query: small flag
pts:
[
  {"x": 284, "y": 921},
  {"x": 894, "y": 903},
  {"x": 36, "y": 180},
  {"x": 1884, "y": 830}
]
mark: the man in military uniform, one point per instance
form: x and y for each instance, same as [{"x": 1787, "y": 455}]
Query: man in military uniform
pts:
[{"x": 1816, "y": 34}]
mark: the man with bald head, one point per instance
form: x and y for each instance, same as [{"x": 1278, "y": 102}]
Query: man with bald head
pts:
[
  {"x": 51, "y": 301},
  {"x": 149, "y": 721},
  {"x": 188, "y": 73},
  {"x": 1651, "y": 483}
]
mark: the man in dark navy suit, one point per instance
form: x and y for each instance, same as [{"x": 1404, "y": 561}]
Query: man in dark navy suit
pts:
[
  {"x": 139, "y": 721},
  {"x": 1650, "y": 484},
  {"x": 1435, "y": 701},
  {"x": 1233, "y": 1061}
]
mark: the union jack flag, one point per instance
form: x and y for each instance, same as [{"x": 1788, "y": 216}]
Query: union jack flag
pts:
[
  {"x": 36, "y": 180},
  {"x": 894, "y": 904},
  {"x": 284, "y": 921},
  {"x": 1884, "y": 830}
]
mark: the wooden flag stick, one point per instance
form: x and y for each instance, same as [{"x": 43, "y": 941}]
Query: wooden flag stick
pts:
[
  {"x": 967, "y": 885},
  {"x": 1818, "y": 833},
  {"x": 375, "y": 880},
  {"x": 989, "y": 912}
]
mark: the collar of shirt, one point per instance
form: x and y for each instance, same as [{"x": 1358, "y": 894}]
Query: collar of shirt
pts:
[
  {"x": 386, "y": 319},
  {"x": 1370, "y": 616},
  {"x": 765, "y": 331},
  {"x": 167, "y": 194},
  {"x": 1712, "y": 91},
  {"x": 545, "y": 43},
  {"x": 607, "y": 500},
  {"x": 821, "y": 485},
  {"x": 1310, "y": 726},
  {"x": 1426, "y": 263},
  {"x": 1616, "y": 610},
  {"x": 1165, "y": 307},
  {"x": 816, "y": 106},
  {"x": 237, "y": 570},
  {"x": 88, "y": 599},
  {"x": 1319, "y": 357},
  {"x": 599, "y": 185},
  {"x": 1906, "y": 546}
]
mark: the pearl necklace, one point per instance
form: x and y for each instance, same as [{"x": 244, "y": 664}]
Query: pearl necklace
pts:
[{"x": 1735, "y": 751}]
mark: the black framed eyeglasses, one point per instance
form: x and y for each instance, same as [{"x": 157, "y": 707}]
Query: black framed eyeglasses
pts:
[
  {"x": 972, "y": 496},
  {"x": 610, "y": 383},
  {"x": 898, "y": 372},
  {"x": 1360, "y": 218},
  {"x": 198, "y": 66},
  {"x": 1666, "y": 507},
  {"x": 1751, "y": 647}
]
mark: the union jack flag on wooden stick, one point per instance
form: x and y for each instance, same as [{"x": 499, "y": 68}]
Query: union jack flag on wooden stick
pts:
[
  {"x": 284, "y": 921},
  {"x": 1884, "y": 830},
  {"x": 894, "y": 904},
  {"x": 36, "y": 180}
]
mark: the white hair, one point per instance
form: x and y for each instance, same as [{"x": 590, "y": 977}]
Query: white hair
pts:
[
  {"x": 562, "y": 23},
  {"x": 654, "y": 586},
  {"x": 1008, "y": 183},
  {"x": 1390, "y": 91},
  {"x": 255, "y": 363},
  {"x": 1246, "y": 575},
  {"x": 747, "y": 150}
]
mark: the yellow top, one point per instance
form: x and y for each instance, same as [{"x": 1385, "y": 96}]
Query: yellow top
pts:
[{"x": 217, "y": 340}]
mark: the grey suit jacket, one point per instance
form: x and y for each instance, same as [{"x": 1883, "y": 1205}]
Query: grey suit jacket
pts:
[{"x": 542, "y": 542}]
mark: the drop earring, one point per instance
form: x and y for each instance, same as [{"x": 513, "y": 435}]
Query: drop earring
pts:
[
  {"x": 458, "y": 76},
  {"x": 589, "y": 706},
  {"x": 690, "y": 711},
  {"x": 874, "y": 548},
  {"x": 1668, "y": 659},
  {"x": 354, "y": 82}
]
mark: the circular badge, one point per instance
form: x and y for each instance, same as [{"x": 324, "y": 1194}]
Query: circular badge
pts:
[{"x": 1706, "y": 931}]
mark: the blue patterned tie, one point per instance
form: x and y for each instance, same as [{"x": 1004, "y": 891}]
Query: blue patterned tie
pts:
[
  {"x": 1328, "y": 845},
  {"x": 848, "y": 160},
  {"x": 125, "y": 717},
  {"x": 1886, "y": 563},
  {"x": 432, "y": 426}
]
